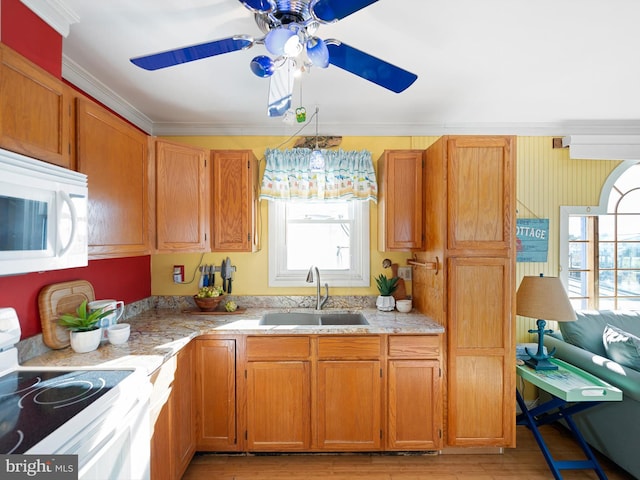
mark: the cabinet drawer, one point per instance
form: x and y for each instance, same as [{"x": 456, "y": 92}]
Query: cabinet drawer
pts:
[
  {"x": 349, "y": 347},
  {"x": 412, "y": 346},
  {"x": 278, "y": 348}
]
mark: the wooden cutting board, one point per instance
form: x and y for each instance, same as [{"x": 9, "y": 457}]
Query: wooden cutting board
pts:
[{"x": 56, "y": 299}]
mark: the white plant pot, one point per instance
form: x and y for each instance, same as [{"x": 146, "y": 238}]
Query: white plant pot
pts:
[
  {"x": 385, "y": 303},
  {"x": 83, "y": 342}
]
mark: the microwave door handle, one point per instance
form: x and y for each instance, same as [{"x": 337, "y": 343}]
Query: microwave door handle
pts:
[{"x": 74, "y": 220}]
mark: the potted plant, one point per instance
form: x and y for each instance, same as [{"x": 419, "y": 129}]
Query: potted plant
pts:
[
  {"x": 208, "y": 298},
  {"x": 84, "y": 329},
  {"x": 386, "y": 286}
]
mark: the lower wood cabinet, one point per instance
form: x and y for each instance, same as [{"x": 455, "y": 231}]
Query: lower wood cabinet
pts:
[
  {"x": 349, "y": 406},
  {"x": 278, "y": 393},
  {"x": 216, "y": 401},
  {"x": 414, "y": 394},
  {"x": 331, "y": 393}
]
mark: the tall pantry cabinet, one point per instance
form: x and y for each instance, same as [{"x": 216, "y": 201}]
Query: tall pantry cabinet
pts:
[{"x": 470, "y": 237}]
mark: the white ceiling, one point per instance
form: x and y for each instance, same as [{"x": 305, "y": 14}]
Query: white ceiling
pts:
[{"x": 526, "y": 67}]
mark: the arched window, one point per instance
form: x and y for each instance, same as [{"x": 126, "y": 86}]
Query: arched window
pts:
[{"x": 603, "y": 247}]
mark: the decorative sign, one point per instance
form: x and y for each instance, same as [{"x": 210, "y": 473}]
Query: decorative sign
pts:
[{"x": 532, "y": 239}]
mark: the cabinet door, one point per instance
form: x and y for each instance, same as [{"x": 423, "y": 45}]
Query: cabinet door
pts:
[
  {"x": 349, "y": 405},
  {"x": 481, "y": 373},
  {"x": 216, "y": 395},
  {"x": 182, "y": 198},
  {"x": 414, "y": 405},
  {"x": 400, "y": 205},
  {"x": 113, "y": 154},
  {"x": 480, "y": 194},
  {"x": 34, "y": 110},
  {"x": 234, "y": 201},
  {"x": 278, "y": 406},
  {"x": 183, "y": 416}
]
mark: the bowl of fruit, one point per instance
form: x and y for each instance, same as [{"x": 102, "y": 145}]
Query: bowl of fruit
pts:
[{"x": 208, "y": 298}]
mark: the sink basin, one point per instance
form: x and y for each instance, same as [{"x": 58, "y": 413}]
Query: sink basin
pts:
[
  {"x": 290, "y": 318},
  {"x": 308, "y": 318},
  {"x": 343, "y": 319}
]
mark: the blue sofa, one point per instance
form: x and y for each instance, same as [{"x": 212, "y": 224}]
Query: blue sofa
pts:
[{"x": 607, "y": 344}]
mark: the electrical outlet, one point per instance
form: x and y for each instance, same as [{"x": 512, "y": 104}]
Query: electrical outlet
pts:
[{"x": 404, "y": 273}]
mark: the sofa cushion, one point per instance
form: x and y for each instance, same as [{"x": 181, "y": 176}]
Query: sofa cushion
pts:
[
  {"x": 622, "y": 347},
  {"x": 586, "y": 332}
]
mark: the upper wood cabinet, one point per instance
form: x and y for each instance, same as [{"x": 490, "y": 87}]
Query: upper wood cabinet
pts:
[
  {"x": 400, "y": 200},
  {"x": 470, "y": 228},
  {"x": 113, "y": 155},
  {"x": 35, "y": 110},
  {"x": 234, "y": 192},
  {"x": 182, "y": 197}
]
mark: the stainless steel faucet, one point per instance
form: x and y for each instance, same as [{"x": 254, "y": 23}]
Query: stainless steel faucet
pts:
[{"x": 319, "y": 302}]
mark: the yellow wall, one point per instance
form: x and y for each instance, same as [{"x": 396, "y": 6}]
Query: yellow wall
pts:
[
  {"x": 546, "y": 179},
  {"x": 251, "y": 277}
]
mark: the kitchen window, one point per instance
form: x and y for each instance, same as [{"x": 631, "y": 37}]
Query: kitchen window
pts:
[{"x": 333, "y": 236}]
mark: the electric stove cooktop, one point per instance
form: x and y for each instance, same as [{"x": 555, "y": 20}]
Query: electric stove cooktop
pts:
[{"x": 35, "y": 403}]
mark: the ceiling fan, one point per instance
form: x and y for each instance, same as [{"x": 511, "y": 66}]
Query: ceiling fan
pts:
[{"x": 290, "y": 27}]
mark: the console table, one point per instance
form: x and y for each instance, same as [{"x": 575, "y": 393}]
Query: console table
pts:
[{"x": 572, "y": 391}]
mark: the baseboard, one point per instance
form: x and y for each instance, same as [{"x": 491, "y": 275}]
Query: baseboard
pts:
[{"x": 471, "y": 451}]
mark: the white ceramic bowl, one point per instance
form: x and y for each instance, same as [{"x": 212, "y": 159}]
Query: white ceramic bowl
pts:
[
  {"x": 404, "y": 306},
  {"x": 118, "y": 333}
]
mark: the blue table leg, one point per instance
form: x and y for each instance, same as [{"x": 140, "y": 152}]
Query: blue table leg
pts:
[{"x": 540, "y": 416}]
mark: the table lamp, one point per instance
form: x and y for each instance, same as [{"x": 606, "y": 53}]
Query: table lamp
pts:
[{"x": 543, "y": 298}]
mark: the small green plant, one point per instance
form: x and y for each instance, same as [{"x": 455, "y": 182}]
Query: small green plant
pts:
[
  {"x": 386, "y": 286},
  {"x": 82, "y": 320}
]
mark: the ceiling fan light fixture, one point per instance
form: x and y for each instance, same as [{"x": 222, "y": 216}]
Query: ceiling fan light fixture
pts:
[
  {"x": 282, "y": 41},
  {"x": 262, "y": 66},
  {"x": 317, "y": 52}
]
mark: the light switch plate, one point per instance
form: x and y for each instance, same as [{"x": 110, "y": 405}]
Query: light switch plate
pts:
[{"x": 404, "y": 273}]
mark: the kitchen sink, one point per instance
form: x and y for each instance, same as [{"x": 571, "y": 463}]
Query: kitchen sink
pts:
[
  {"x": 343, "y": 319},
  {"x": 309, "y": 318}
]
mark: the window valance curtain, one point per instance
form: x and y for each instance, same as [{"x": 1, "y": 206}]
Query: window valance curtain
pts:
[{"x": 347, "y": 175}]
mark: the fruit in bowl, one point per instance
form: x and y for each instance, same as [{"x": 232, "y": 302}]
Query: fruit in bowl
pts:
[{"x": 208, "y": 298}]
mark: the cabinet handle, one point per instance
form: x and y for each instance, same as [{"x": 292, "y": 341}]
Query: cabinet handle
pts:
[{"x": 435, "y": 265}]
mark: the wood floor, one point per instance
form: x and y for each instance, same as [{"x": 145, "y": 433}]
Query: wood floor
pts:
[{"x": 522, "y": 463}]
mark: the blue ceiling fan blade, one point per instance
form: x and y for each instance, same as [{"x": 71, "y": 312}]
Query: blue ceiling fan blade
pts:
[
  {"x": 169, "y": 58},
  {"x": 259, "y": 6},
  {"x": 368, "y": 67},
  {"x": 333, "y": 10}
]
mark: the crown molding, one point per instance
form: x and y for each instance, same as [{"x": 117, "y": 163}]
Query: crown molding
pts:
[
  {"x": 603, "y": 147},
  {"x": 55, "y": 13},
  {"x": 86, "y": 82},
  {"x": 78, "y": 76},
  {"x": 406, "y": 129}
]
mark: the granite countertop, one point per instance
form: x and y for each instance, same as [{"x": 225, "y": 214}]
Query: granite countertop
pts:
[{"x": 157, "y": 334}]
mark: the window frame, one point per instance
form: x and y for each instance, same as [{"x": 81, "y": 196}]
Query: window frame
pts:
[
  {"x": 593, "y": 267},
  {"x": 359, "y": 251}
]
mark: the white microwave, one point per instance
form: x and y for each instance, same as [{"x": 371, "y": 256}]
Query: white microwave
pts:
[{"x": 43, "y": 216}]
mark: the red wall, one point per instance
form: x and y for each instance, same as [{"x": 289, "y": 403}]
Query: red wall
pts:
[
  {"x": 29, "y": 35},
  {"x": 126, "y": 279}
]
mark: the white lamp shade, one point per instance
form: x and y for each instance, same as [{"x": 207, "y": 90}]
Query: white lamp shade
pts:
[
  {"x": 282, "y": 41},
  {"x": 318, "y": 52}
]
